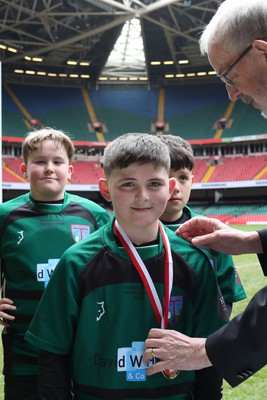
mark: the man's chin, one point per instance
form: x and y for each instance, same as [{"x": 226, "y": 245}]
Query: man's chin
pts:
[{"x": 258, "y": 107}]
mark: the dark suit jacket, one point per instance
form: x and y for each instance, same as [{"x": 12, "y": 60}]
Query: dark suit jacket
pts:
[{"x": 239, "y": 349}]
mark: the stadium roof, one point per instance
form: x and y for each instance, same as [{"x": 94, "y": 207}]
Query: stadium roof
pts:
[{"x": 65, "y": 42}]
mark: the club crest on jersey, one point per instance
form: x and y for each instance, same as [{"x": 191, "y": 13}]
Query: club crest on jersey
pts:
[
  {"x": 80, "y": 231},
  {"x": 175, "y": 309}
]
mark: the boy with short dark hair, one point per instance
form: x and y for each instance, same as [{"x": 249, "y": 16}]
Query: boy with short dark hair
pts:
[
  {"x": 36, "y": 228},
  {"x": 111, "y": 288},
  {"x": 177, "y": 212}
]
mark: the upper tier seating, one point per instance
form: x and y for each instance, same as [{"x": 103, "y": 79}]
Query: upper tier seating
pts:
[{"x": 189, "y": 111}]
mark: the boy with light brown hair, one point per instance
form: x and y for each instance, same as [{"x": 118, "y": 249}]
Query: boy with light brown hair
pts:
[{"x": 36, "y": 228}]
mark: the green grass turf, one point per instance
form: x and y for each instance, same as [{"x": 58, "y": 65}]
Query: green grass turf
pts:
[{"x": 252, "y": 278}]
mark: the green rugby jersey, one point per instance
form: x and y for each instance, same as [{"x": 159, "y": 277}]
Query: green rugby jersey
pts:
[
  {"x": 33, "y": 237},
  {"x": 223, "y": 265},
  {"x": 96, "y": 308}
]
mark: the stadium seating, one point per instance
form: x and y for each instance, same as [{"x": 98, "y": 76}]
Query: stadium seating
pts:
[
  {"x": 189, "y": 111},
  {"x": 235, "y": 213},
  {"x": 238, "y": 168},
  {"x": 86, "y": 172}
]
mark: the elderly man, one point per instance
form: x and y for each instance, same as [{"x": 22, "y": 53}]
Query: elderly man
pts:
[{"x": 235, "y": 41}]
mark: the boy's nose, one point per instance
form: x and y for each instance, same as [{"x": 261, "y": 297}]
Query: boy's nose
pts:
[
  {"x": 48, "y": 168},
  {"x": 176, "y": 187},
  {"x": 142, "y": 195}
]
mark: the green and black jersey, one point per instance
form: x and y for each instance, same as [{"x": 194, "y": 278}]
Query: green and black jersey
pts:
[
  {"x": 33, "y": 237},
  {"x": 223, "y": 265},
  {"x": 97, "y": 310}
]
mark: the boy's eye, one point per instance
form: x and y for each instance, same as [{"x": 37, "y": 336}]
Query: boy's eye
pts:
[
  {"x": 127, "y": 184},
  {"x": 155, "y": 184}
]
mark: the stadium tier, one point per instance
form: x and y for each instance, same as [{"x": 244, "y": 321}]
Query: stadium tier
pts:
[
  {"x": 189, "y": 111},
  {"x": 229, "y": 140},
  {"x": 88, "y": 172},
  {"x": 250, "y": 213}
]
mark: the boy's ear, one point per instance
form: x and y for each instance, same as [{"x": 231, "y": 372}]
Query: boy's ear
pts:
[
  {"x": 103, "y": 187},
  {"x": 70, "y": 171},
  {"x": 172, "y": 183},
  {"x": 193, "y": 178},
  {"x": 23, "y": 169}
]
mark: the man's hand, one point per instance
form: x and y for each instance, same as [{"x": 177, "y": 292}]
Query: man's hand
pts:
[
  {"x": 174, "y": 351},
  {"x": 5, "y": 305},
  {"x": 213, "y": 234}
]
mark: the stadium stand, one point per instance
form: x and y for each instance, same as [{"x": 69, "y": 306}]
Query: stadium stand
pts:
[
  {"x": 238, "y": 168},
  {"x": 249, "y": 213},
  {"x": 192, "y": 112},
  {"x": 200, "y": 169},
  {"x": 86, "y": 172},
  {"x": 232, "y": 169},
  {"x": 189, "y": 111}
]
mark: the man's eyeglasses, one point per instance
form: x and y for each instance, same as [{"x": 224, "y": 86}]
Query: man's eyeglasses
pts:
[{"x": 224, "y": 76}]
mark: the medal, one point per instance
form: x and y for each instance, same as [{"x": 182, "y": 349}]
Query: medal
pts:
[
  {"x": 170, "y": 373},
  {"x": 161, "y": 315}
]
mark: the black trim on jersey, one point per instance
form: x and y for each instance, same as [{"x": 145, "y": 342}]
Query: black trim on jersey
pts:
[
  {"x": 184, "y": 217},
  {"x": 24, "y": 295},
  {"x": 79, "y": 211},
  {"x": 24, "y": 211},
  {"x": 23, "y": 318},
  {"x": 17, "y": 358},
  {"x": 27, "y": 211},
  {"x": 9, "y": 356},
  {"x": 121, "y": 394},
  {"x": 107, "y": 268}
]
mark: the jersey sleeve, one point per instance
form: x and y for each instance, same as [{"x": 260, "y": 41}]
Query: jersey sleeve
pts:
[
  {"x": 102, "y": 217},
  {"x": 229, "y": 280},
  {"x": 209, "y": 306}
]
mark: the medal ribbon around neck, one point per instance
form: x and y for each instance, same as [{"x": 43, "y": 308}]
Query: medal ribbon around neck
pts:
[{"x": 162, "y": 318}]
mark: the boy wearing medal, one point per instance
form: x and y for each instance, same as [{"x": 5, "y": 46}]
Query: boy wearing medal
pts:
[
  {"x": 109, "y": 290},
  {"x": 177, "y": 212}
]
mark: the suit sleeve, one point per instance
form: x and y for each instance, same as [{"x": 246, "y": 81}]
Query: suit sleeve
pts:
[
  {"x": 239, "y": 349},
  {"x": 263, "y": 257}
]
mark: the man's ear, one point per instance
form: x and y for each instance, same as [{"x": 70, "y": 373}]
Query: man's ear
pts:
[
  {"x": 260, "y": 45},
  {"x": 23, "y": 169},
  {"x": 103, "y": 187},
  {"x": 172, "y": 183}
]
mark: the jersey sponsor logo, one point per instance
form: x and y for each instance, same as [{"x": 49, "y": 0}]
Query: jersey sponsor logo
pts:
[
  {"x": 130, "y": 361},
  {"x": 175, "y": 309},
  {"x": 45, "y": 271},
  {"x": 101, "y": 310},
  {"x": 80, "y": 231},
  {"x": 105, "y": 362}
]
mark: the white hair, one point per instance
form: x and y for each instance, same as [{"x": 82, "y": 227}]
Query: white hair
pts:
[{"x": 235, "y": 25}]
